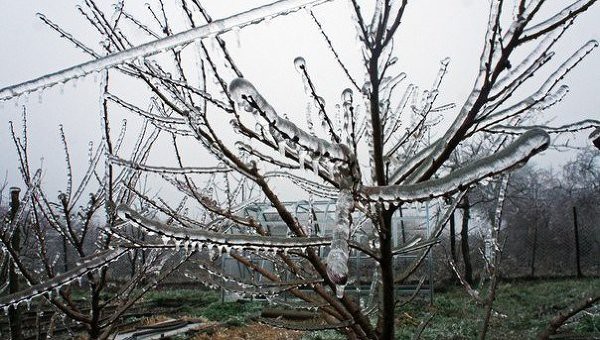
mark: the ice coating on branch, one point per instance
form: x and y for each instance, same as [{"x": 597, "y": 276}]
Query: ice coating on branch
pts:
[
  {"x": 410, "y": 164},
  {"x": 214, "y": 239},
  {"x": 87, "y": 265},
  {"x": 595, "y": 137},
  {"x": 471, "y": 101},
  {"x": 167, "y": 170},
  {"x": 577, "y": 126},
  {"x": 307, "y": 185},
  {"x": 558, "y": 17},
  {"x": 337, "y": 259},
  {"x": 534, "y": 60},
  {"x": 528, "y": 144},
  {"x": 157, "y": 46},
  {"x": 537, "y": 101},
  {"x": 245, "y": 94},
  {"x": 568, "y": 65},
  {"x": 300, "y": 64}
]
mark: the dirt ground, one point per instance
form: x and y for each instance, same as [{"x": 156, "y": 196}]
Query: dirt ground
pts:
[{"x": 250, "y": 331}]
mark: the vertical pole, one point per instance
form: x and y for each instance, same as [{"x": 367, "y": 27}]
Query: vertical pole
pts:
[
  {"x": 464, "y": 241},
  {"x": 14, "y": 314},
  {"x": 577, "y": 254},
  {"x": 534, "y": 248},
  {"x": 453, "y": 238}
]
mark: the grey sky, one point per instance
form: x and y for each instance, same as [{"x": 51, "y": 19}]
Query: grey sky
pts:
[{"x": 432, "y": 30}]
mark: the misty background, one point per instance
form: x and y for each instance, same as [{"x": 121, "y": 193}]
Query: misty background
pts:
[{"x": 431, "y": 31}]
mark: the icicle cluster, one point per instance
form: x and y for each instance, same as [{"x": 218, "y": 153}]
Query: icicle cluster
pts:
[
  {"x": 192, "y": 238},
  {"x": 96, "y": 262}
]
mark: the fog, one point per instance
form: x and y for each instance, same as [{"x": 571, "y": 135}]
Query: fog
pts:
[{"x": 431, "y": 31}]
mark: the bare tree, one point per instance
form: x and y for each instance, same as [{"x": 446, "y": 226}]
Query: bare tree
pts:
[
  {"x": 75, "y": 222},
  {"x": 369, "y": 129},
  {"x": 540, "y": 206}
]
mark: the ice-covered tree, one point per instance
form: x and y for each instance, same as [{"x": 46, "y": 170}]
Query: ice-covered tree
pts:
[
  {"x": 370, "y": 153},
  {"x": 74, "y": 240}
]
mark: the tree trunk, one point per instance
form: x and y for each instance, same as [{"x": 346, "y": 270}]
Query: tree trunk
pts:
[
  {"x": 464, "y": 241},
  {"x": 14, "y": 314},
  {"x": 387, "y": 276},
  {"x": 94, "y": 329}
]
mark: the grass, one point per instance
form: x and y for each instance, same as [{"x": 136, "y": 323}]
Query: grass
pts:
[
  {"x": 523, "y": 309},
  {"x": 204, "y": 304}
]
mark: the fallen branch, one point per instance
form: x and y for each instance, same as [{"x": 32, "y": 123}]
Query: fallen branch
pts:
[{"x": 567, "y": 313}]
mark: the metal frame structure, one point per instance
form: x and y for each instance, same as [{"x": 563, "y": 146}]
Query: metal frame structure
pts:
[{"x": 409, "y": 222}]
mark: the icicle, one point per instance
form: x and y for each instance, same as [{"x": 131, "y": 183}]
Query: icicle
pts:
[
  {"x": 337, "y": 259},
  {"x": 320, "y": 102},
  {"x": 339, "y": 291},
  {"x": 301, "y": 157},
  {"x": 338, "y": 118},
  {"x": 315, "y": 165},
  {"x": 268, "y": 20},
  {"x": 309, "y": 122},
  {"x": 331, "y": 169},
  {"x": 236, "y": 34},
  {"x": 5, "y": 310},
  {"x": 337, "y": 266},
  {"x": 282, "y": 147},
  {"x": 347, "y": 96}
]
